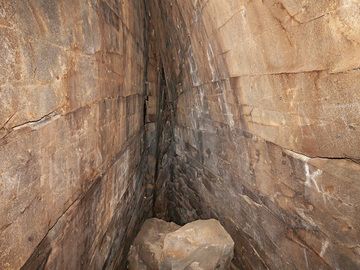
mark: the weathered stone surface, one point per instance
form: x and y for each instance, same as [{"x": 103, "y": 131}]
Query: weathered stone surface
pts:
[
  {"x": 263, "y": 105},
  {"x": 201, "y": 244},
  {"x": 250, "y": 117},
  {"x": 72, "y": 157},
  {"x": 146, "y": 250}
]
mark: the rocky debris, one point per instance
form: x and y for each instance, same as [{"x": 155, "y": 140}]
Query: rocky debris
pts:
[{"x": 202, "y": 244}]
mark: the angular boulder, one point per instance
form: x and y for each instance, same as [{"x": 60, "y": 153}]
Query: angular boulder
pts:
[
  {"x": 202, "y": 244},
  {"x": 146, "y": 250},
  {"x": 199, "y": 245}
]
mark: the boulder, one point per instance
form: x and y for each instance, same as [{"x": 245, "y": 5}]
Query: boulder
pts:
[
  {"x": 202, "y": 244},
  {"x": 145, "y": 252},
  {"x": 199, "y": 245}
]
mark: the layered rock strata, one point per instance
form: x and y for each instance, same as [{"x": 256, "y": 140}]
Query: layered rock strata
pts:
[
  {"x": 72, "y": 157},
  {"x": 265, "y": 103}
]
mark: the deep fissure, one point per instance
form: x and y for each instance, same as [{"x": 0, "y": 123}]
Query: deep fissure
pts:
[{"x": 242, "y": 111}]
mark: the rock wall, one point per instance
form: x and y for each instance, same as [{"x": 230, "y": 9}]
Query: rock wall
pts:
[
  {"x": 264, "y": 103},
  {"x": 72, "y": 158},
  {"x": 245, "y": 111}
]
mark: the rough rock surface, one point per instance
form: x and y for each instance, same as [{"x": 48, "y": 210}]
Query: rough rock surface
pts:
[
  {"x": 264, "y": 115},
  {"x": 146, "y": 250},
  {"x": 202, "y": 244},
  {"x": 251, "y": 116},
  {"x": 72, "y": 156}
]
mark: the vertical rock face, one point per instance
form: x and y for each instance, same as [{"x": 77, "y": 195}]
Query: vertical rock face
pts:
[
  {"x": 250, "y": 116},
  {"x": 264, "y": 103},
  {"x": 71, "y": 132}
]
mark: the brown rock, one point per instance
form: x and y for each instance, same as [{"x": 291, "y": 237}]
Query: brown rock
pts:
[
  {"x": 145, "y": 252},
  {"x": 250, "y": 116},
  {"x": 202, "y": 244},
  {"x": 265, "y": 109},
  {"x": 71, "y": 132}
]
